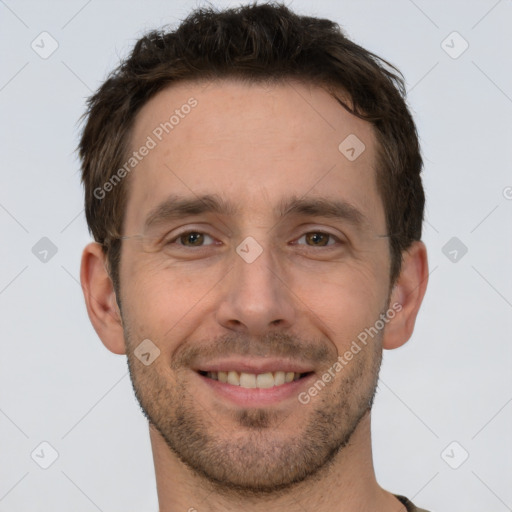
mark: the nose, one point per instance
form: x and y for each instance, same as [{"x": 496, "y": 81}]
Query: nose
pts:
[{"x": 256, "y": 297}]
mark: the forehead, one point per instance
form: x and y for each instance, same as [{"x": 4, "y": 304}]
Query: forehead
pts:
[{"x": 251, "y": 144}]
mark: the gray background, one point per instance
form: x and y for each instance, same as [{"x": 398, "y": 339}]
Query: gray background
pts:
[{"x": 450, "y": 383}]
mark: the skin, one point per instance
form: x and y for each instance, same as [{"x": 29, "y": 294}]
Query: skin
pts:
[{"x": 301, "y": 300}]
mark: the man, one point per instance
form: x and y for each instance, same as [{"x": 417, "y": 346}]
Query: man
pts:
[{"x": 252, "y": 182}]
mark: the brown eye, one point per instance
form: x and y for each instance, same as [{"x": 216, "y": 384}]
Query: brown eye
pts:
[
  {"x": 192, "y": 239},
  {"x": 317, "y": 239}
]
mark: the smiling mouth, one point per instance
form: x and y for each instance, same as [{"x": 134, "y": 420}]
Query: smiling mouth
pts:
[{"x": 252, "y": 380}]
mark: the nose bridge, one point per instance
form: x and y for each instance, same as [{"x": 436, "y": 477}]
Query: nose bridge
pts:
[
  {"x": 256, "y": 297},
  {"x": 255, "y": 267}
]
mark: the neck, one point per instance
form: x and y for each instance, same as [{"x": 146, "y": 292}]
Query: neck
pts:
[{"x": 348, "y": 484}]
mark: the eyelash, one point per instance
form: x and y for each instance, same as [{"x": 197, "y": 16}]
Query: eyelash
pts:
[{"x": 185, "y": 233}]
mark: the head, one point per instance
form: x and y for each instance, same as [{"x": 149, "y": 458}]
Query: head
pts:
[{"x": 252, "y": 182}]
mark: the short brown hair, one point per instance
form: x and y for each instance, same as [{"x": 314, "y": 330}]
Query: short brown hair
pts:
[{"x": 265, "y": 42}]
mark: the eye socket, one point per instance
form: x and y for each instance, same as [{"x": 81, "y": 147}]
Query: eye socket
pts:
[
  {"x": 319, "y": 239},
  {"x": 191, "y": 239},
  {"x": 199, "y": 239}
]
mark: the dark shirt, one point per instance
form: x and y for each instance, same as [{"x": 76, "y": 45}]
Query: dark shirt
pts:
[{"x": 409, "y": 505}]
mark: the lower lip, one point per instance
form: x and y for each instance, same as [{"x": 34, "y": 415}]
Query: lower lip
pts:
[{"x": 257, "y": 397}]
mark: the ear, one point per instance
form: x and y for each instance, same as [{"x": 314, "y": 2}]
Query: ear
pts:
[
  {"x": 408, "y": 292},
  {"x": 100, "y": 298}
]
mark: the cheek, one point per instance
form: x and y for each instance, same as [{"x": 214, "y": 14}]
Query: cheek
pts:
[
  {"x": 166, "y": 301},
  {"x": 344, "y": 299},
  {"x": 162, "y": 299}
]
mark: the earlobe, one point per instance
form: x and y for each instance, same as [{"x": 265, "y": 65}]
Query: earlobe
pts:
[
  {"x": 408, "y": 291},
  {"x": 100, "y": 298}
]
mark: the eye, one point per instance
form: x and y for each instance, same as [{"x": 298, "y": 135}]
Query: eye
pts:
[
  {"x": 192, "y": 239},
  {"x": 318, "y": 239}
]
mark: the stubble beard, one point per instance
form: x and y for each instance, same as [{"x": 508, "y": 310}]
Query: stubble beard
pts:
[{"x": 256, "y": 456}]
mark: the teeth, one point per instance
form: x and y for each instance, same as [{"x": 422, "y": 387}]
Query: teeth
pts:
[
  {"x": 233, "y": 378},
  {"x": 279, "y": 378},
  {"x": 251, "y": 380},
  {"x": 247, "y": 380},
  {"x": 265, "y": 380}
]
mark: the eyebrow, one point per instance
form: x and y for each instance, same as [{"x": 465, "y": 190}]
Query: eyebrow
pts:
[
  {"x": 176, "y": 207},
  {"x": 324, "y": 207}
]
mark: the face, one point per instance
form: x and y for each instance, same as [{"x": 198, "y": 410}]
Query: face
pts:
[{"x": 255, "y": 256}]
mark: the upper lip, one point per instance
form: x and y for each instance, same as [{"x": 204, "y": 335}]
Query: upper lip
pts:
[{"x": 254, "y": 365}]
